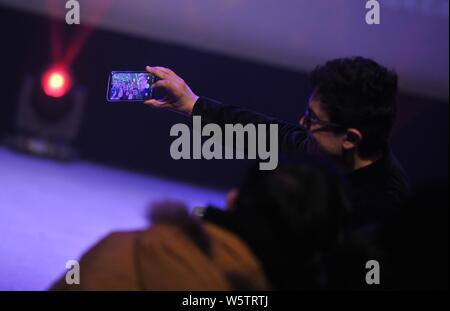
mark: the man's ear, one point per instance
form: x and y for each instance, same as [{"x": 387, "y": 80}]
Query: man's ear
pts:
[{"x": 353, "y": 139}]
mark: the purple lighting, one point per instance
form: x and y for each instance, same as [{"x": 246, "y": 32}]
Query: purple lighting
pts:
[{"x": 51, "y": 212}]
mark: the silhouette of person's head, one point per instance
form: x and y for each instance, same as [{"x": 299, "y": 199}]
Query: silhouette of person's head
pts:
[{"x": 292, "y": 217}]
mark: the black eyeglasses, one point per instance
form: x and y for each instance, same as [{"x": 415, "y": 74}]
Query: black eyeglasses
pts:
[{"x": 309, "y": 118}]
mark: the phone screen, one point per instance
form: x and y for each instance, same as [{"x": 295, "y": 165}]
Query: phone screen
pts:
[{"x": 130, "y": 86}]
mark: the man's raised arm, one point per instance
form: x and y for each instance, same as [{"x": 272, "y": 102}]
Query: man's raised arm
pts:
[{"x": 181, "y": 98}]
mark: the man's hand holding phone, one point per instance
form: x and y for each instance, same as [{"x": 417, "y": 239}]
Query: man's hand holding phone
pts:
[{"x": 179, "y": 97}]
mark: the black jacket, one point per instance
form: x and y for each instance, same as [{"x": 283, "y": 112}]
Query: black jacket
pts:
[{"x": 377, "y": 190}]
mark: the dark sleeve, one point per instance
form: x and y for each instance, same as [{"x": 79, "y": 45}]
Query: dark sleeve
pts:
[{"x": 291, "y": 137}]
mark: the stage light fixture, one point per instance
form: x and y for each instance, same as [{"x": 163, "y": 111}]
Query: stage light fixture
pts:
[{"x": 56, "y": 82}]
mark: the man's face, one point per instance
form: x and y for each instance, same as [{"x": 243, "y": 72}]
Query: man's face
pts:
[{"x": 321, "y": 140}]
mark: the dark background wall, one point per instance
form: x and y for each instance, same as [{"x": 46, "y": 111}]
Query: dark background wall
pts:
[{"x": 136, "y": 137}]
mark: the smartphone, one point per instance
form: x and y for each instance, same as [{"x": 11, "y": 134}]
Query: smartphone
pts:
[{"x": 128, "y": 86}]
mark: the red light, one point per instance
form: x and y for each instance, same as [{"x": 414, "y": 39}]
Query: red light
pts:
[{"x": 56, "y": 82}]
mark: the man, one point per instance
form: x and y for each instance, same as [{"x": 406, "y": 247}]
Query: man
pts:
[{"x": 349, "y": 119}]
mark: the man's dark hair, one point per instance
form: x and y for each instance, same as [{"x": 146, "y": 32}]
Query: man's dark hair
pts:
[{"x": 359, "y": 93}]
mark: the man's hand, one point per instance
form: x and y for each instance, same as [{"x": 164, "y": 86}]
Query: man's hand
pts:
[{"x": 179, "y": 97}]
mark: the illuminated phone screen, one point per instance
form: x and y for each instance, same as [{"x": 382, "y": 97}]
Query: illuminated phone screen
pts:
[{"x": 130, "y": 86}]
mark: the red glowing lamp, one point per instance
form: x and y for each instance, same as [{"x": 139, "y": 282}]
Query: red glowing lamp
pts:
[{"x": 56, "y": 82}]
